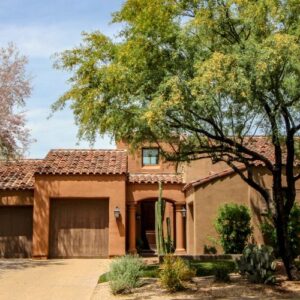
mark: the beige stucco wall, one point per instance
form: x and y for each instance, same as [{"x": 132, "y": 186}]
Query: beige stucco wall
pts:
[
  {"x": 78, "y": 186},
  {"x": 201, "y": 168}
]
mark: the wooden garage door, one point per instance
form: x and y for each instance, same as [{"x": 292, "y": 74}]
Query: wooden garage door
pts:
[
  {"x": 79, "y": 228},
  {"x": 15, "y": 231}
]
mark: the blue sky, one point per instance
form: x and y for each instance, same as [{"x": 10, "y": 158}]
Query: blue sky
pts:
[{"x": 40, "y": 29}]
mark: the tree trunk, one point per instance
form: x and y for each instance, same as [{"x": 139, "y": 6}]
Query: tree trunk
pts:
[{"x": 283, "y": 239}]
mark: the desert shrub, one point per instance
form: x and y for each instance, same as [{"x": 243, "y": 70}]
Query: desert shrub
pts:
[
  {"x": 233, "y": 226},
  {"x": 174, "y": 272},
  {"x": 269, "y": 232},
  {"x": 221, "y": 272},
  {"x": 125, "y": 274},
  {"x": 258, "y": 264},
  {"x": 210, "y": 249}
]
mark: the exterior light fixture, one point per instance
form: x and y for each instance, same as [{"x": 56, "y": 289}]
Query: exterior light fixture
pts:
[
  {"x": 183, "y": 211},
  {"x": 117, "y": 212}
]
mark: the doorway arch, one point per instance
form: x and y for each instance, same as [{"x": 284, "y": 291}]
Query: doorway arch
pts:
[{"x": 145, "y": 224}]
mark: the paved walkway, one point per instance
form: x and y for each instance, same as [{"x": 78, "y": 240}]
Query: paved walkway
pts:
[{"x": 63, "y": 279}]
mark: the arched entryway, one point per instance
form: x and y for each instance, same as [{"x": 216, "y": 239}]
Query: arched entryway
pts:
[
  {"x": 145, "y": 227},
  {"x": 141, "y": 225}
]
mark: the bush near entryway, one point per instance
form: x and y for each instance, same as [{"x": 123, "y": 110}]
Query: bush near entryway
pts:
[
  {"x": 233, "y": 226},
  {"x": 174, "y": 272},
  {"x": 125, "y": 274}
]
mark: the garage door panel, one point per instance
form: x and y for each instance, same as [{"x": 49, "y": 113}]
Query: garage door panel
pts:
[
  {"x": 15, "y": 231},
  {"x": 79, "y": 228}
]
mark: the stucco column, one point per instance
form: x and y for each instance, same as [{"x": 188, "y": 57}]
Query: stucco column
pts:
[
  {"x": 180, "y": 232},
  {"x": 132, "y": 228}
]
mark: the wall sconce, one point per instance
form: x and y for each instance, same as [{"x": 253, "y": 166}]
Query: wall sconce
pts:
[
  {"x": 183, "y": 211},
  {"x": 117, "y": 212}
]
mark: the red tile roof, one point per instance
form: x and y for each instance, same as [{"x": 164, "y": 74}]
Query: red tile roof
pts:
[
  {"x": 18, "y": 175},
  {"x": 84, "y": 162},
  {"x": 154, "y": 178},
  {"x": 210, "y": 178}
]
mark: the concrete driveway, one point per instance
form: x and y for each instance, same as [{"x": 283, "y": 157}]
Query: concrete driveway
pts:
[{"x": 50, "y": 279}]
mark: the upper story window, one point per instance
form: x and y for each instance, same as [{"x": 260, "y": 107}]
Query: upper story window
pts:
[{"x": 150, "y": 156}]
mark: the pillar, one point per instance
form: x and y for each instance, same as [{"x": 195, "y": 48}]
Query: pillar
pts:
[
  {"x": 132, "y": 228},
  {"x": 180, "y": 229}
]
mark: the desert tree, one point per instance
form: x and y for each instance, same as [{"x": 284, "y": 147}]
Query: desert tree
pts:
[
  {"x": 14, "y": 89},
  {"x": 205, "y": 76}
]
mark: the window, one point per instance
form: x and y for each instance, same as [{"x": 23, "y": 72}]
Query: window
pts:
[{"x": 150, "y": 156}]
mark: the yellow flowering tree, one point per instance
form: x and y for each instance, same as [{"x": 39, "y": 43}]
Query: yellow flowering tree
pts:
[{"x": 204, "y": 76}]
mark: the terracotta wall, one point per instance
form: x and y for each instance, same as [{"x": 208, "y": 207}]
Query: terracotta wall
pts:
[
  {"x": 208, "y": 198},
  {"x": 135, "y": 161},
  {"x": 78, "y": 186},
  {"x": 141, "y": 191},
  {"x": 201, "y": 168},
  {"x": 16, "y": 197}
]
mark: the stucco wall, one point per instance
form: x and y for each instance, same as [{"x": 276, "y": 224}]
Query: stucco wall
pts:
[
  {"x": 141, "y": 191},
  {"x": 78, "y": 186},
  {"x": 135, "y": 161},
  {"x": 209, "y": 197},
  {"x": 16, "y": 197},
  {"x": 201, "y": 168}
]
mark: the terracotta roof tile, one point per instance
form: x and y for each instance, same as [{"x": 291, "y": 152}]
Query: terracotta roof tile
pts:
[
  {"x": 18, "y": 175},
  {"x": 84, "y": 162},
  {"x": 154, "y": 178},
  {"x": 210, "y": 178}
]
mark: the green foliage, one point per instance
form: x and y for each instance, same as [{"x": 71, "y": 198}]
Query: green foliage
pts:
[
  {"x": 104, "y": 277},
  {"x": 270, "y": 236},
  {"x": 218, "y": 59},
  {"x": 174, "y": 272},
  {"x": 221, "y": 273},
  {"x": 151, "y": 271},
  {"x": 257, "y": 263},
  {"x": 125, "y": 274},
  {"x": 233, "y": 225},
  {"x": 169, "y": 243},
  {"x": 208, "y": 268},
  {"x": 160, "y": 206},
  {"x": 210, "y": 249}
]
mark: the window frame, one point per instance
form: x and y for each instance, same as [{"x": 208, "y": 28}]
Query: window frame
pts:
[{"x": 150, "y": 164}]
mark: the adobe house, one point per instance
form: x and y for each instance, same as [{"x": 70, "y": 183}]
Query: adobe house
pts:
[{"x": 100, "y": 203}]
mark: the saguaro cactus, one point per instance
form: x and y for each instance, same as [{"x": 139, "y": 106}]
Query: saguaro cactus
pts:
[{"x": 160, "y": 206}]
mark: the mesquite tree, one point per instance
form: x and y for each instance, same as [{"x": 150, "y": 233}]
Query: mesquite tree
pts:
[
  {"x": 14, "y": 89},
  {"x": 205, "y": 76}
]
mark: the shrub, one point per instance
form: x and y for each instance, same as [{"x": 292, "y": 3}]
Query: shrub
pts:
[
  {"x": 257, "y": 264},
  {"x": 233, "y": 225},
  {"x": 104, "y": 277},
  {"x": 270, "y": 235},
  {"x": 221, "y": 272},
  {"x": 174, "y": 271},
  {"x": 125, "y": 274}
]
